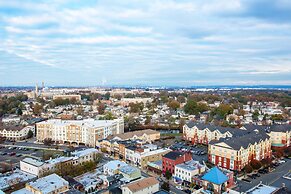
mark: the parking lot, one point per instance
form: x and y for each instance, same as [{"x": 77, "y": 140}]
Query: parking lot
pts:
[
  {"x": 12, "y": 155},
  {"x": 199, "y": 152}
]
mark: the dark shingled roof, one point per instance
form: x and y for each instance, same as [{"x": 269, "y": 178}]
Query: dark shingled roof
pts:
[
  {"x": 243, "y": 141},
  {"x": 280, "y": 128},
  {"x": 233, "y": 131},
  {"x": 173, "y": 155}
]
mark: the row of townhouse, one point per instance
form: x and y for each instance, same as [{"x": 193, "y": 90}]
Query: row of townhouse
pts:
[
  {"x": 16, "y": 132},
  {"x": 39, "y": 168},
  {"x": 237, "y": 152},
  {"x": 87, "y": 131},
  {"x": 116, "y": 145},
  {"x": 198, "y": 133}
]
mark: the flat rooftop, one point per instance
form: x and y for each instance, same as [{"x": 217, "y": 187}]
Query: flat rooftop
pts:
[
  {"x": 18, "y": 176},
  {"x": 33, "y": 162},
  {"x": 262, "y": 189},
  {"x": 49, "y": 183},
  {"x": 190, "y": 165},
  {"x": 85, "y": 152},
  {"x": 86, "y": 122}
]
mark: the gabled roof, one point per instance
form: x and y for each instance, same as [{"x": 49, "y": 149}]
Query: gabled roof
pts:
[
  {"x": 215, "y": 176},
  {"x": 210, "y": 127},
  {"x": 243, "y": 141}
]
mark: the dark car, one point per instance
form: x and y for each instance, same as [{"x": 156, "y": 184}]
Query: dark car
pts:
[
  {"x": 18, "y": 155},
  {"x": 4, "y": 153},
  {"x": 12, "y": 154},
  {"x": 187, "y": 191},
  {"x": 262, "y": 171},
  {"x": 252, "y": 176},
  {"x": 257, "y": 175},
  {"x": 246, "y": 180}
]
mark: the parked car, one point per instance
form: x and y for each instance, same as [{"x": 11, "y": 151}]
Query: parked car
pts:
[
  {"x": 281, "y": 161},
  {"x": 4, "y": 153},
  {"x": 257, "y": 175},
  {"x": 12, "y": 153},
  {"x": 252, "y": 176},
  {"x": 179, "y": 187},
  {"x": 246, "y": 180},
  {"x": 18, "y": 155},
  {"x": 263, "y": 171}
]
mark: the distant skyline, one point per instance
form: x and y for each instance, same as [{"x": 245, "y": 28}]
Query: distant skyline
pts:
[{"x": 158, "y": 43}]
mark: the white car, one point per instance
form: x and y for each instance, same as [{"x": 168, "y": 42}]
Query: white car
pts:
[
  {"x": 179, "y": 187},
  {"x": 281, "y": 161}
]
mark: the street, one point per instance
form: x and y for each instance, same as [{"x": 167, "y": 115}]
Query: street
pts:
[{"x": 273, "y": 178}]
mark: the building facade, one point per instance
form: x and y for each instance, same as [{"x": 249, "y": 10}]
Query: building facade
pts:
[
  {"x": 171, "y": 159},
  {"x": 16, "y": 132},
  {"x": 185, "y": 172},
  {"x": 86, "y": 132},
  {"x": 280, "y": 136},
  {"x": 39, "y": 168},
  {"x": 236, "y": 153},
  {"x": 198, "y": 133}
]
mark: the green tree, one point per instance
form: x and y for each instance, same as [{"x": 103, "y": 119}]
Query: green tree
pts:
[
  {"x": 107, "y": 96},
  {"x": 165, "y": 186},
  {"x": 168, "y": 174},
  {"x": 29, "y": 134},
  {"x": 256, "y": 115},
  {"x": 191, "y": 107}
]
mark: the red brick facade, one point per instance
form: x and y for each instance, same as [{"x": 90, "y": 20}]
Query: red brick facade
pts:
[{"x": 169, "y": 164}]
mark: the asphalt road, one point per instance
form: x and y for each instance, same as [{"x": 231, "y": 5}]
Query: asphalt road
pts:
[{"x": 274, "y": 178}]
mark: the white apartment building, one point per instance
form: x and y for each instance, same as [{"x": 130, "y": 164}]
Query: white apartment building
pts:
[
  {"x": 36, "y": 167},
  {"x": 16, "y": 132},
  {"x": 186, "y": 171},
  {"x": 87, "y": 131}
]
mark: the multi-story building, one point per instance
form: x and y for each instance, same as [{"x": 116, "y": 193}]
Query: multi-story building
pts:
[
  {"x": 198, "y": 133},
  {"x": 235, "y": 153},
  {"x": 280, "y": 136},
  {"x": 171, "y": 159},
  {"x": 141, "y": 155},
  {"x": 39, "y": 168},
  {"x": 49, "y": 184},
  {"x": 86, "y": 132},
  {"x": 185, "y": 172},
  {"x": 148, "y": 185},
  {"x": 16, "y": 132},
  {"x": 147, "y": 135},
  {"x": 68, "y": 96}
]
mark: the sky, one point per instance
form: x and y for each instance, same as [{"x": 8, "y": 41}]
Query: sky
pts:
[{"x": 140, "y": 43}]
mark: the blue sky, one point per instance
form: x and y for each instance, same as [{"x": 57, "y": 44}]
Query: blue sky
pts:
[{"x": 157, "y": 42}]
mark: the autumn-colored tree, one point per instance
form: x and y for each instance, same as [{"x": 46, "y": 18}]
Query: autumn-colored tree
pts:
[
  {"x": 174, "y": 104},
  {"x": 255, "y": 164},
  {"x": 248, "y": 168},
  {"x": 37, "y": 109}
]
